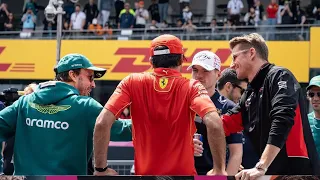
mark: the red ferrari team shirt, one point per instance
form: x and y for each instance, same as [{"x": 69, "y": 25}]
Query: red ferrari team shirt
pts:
[{"x": 163, "y": 106}]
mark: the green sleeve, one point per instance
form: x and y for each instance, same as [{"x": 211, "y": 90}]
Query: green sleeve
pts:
[
  {"x": 121, "y": 130},
  {"x": 8, "y": 121}
]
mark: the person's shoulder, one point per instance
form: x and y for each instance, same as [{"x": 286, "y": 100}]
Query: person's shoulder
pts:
[
  {"x": 311, "y": 115},
  {"x": 225, "y": 102},
  {"x": 87, "y": 102}
]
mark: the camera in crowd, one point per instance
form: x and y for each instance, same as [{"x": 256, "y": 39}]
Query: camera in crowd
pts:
[{"x": 9, "y": 96}]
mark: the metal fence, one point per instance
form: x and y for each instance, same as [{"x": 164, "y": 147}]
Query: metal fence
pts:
[
  {"x": 278, "y": 32},
  {"x": 123, "y": 167}
]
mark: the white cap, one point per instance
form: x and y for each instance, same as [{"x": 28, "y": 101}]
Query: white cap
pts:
[{"x": 207, "y": 60}]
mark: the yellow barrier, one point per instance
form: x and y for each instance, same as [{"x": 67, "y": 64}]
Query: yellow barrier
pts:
[
  {"x": 315, "y": 48},
  {"x": 35, "y": 59}
]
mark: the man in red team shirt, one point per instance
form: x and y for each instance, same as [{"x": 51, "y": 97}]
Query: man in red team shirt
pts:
[{"x": 163, "y": 107}]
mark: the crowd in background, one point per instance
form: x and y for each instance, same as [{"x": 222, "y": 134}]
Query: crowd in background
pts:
[{"x": 98, "y": 19}]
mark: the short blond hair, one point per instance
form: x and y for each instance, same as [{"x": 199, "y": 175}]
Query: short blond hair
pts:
[{"x": 251, "y": 40}]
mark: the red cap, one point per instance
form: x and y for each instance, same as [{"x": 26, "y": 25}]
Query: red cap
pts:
[{"x": 172, "y": 42}]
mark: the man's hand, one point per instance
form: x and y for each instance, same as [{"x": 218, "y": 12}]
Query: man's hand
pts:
[
  {"x": 108, "y": 172},
  {"x": 212, "y": 172},
  {"x": 198, "y": 149},
  {"x": 251, "y": 174}
]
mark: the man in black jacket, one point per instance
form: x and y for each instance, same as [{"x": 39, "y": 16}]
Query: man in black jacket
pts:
[{"x": 271, "y": 112}]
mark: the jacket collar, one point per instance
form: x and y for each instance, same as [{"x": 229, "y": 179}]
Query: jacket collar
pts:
[
  {"x": 258, "y": 80},
  {"x": 166, "y": 72}
]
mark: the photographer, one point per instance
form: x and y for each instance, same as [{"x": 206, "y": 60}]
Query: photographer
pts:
[{"x": 142, "y": 15}]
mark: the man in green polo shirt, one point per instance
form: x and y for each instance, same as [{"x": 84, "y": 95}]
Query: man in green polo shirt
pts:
[
  {"x": 314, "y": 117},
  {"x": 53, "y": 126}
]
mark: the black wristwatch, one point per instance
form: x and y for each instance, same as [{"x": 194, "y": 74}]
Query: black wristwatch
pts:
[{"x": 101, "y": 169}]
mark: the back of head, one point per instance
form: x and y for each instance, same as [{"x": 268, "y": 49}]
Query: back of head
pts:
[
  {"x": 228, "y": 75},
  {"x": 251, "y": 40},
  {"x": 166, "y": 51}
]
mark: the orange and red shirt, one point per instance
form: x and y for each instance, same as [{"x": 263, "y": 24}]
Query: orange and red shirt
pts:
[{"x": 163, "y": 107}]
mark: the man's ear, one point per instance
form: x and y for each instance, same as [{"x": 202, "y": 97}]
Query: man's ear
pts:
[
  {"x": 72, "y": 75},
  {"x": 228, "y": 86}
]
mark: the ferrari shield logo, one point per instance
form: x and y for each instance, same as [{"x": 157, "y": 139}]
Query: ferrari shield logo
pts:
[{"x": 163, "y": 82}]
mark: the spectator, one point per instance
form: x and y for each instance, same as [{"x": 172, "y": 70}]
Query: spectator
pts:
[
  {"x": 4, "y": 13},
  {"x": 153, "y": 25},
  {"x": 214, "y": 25},
  {"x": 163, "y": 9},
  {"x": 108, "y": 31},
  {"x": 78, "y": 20},
  {"x": 183, "y": 4},
  {"x": 300, "y": 19},
  {"x": 281, "y": 6},
  {"x": 154, "y": 11},
  {"x": 316, "y": 12},
  {"x": 8, "y": 25},
  {"x": 28, "y": 20},
  {"x": 118, "y": 5},
  {"x": 91, "y": 11},
  {"x": 229, "y": 25},
  {"x": 126, "y": 19},
  {"x": 105, "y": 10},
  {"x": 132, "y": 11},
  {"x": 259, "y": 9},
  {"x": 272, "y": 17},
  {"x": 187, "y": 14},
  {"x": 314, "y": 117},
  {"x": 69, "y": 8},
  {"x": 142, "y": 15},
  {"x": 179, "y": 23},
  {"x": 95, "y": 28},
  {"x": 251, "y": 18},
  {"x": 49, "y": 26},
  {"x": 189, "y": 26},
  {"x": 164, "y": 24},
  {"x": 286, "y": 14},
  {"x": 234, "y": 9}
]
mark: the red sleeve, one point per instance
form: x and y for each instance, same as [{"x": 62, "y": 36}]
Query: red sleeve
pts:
[
  {"x": 232, "y": 121},
  {"x": 120, "y": 98},
  {"x": 200, "y": 100}
]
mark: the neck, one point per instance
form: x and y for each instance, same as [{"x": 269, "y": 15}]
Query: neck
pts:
[
  {"x": 317, "y": 114},
  {"x": 211, "y": 91},
  {"x": 223, "y": 93},
  {"x": 255, "y": 69}
]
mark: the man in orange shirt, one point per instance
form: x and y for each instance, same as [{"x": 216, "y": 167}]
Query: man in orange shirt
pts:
[{"x": 163, "y": 107}]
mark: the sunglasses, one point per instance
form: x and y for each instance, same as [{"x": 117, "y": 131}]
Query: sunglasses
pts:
[
  {"x": 312, "y": 94},
  {"x": 237, "y": 86},
  {"x": 236, "y": 54}
]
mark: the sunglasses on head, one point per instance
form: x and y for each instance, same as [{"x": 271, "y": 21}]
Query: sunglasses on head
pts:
[{"x": 312, "y": 94}]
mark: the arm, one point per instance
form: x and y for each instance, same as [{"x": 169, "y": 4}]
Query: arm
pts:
[
  {"x": 8, "y": 121},
  {"x": 232, "y": 121},
  {"x": 284, "y": 103},
  {"x": 101, "y": 137},
  {"x": 235, "y": 158},
  {"x": 201, "y": 103},
  {"x": 216, "y": 140},
  {"x": 303, "y": 19},
  {"x": 24, "y": 17}
]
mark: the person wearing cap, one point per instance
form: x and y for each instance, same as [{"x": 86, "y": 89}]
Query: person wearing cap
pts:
[
  {"x": 53, "y": 126},
  {"x": 163, "y": 106},
  {"x": 206, "y": 68},
  {"x": 314, "y": 117}
]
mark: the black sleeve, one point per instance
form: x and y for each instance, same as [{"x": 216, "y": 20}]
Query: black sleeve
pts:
[{"x": 284, "y": 100}]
